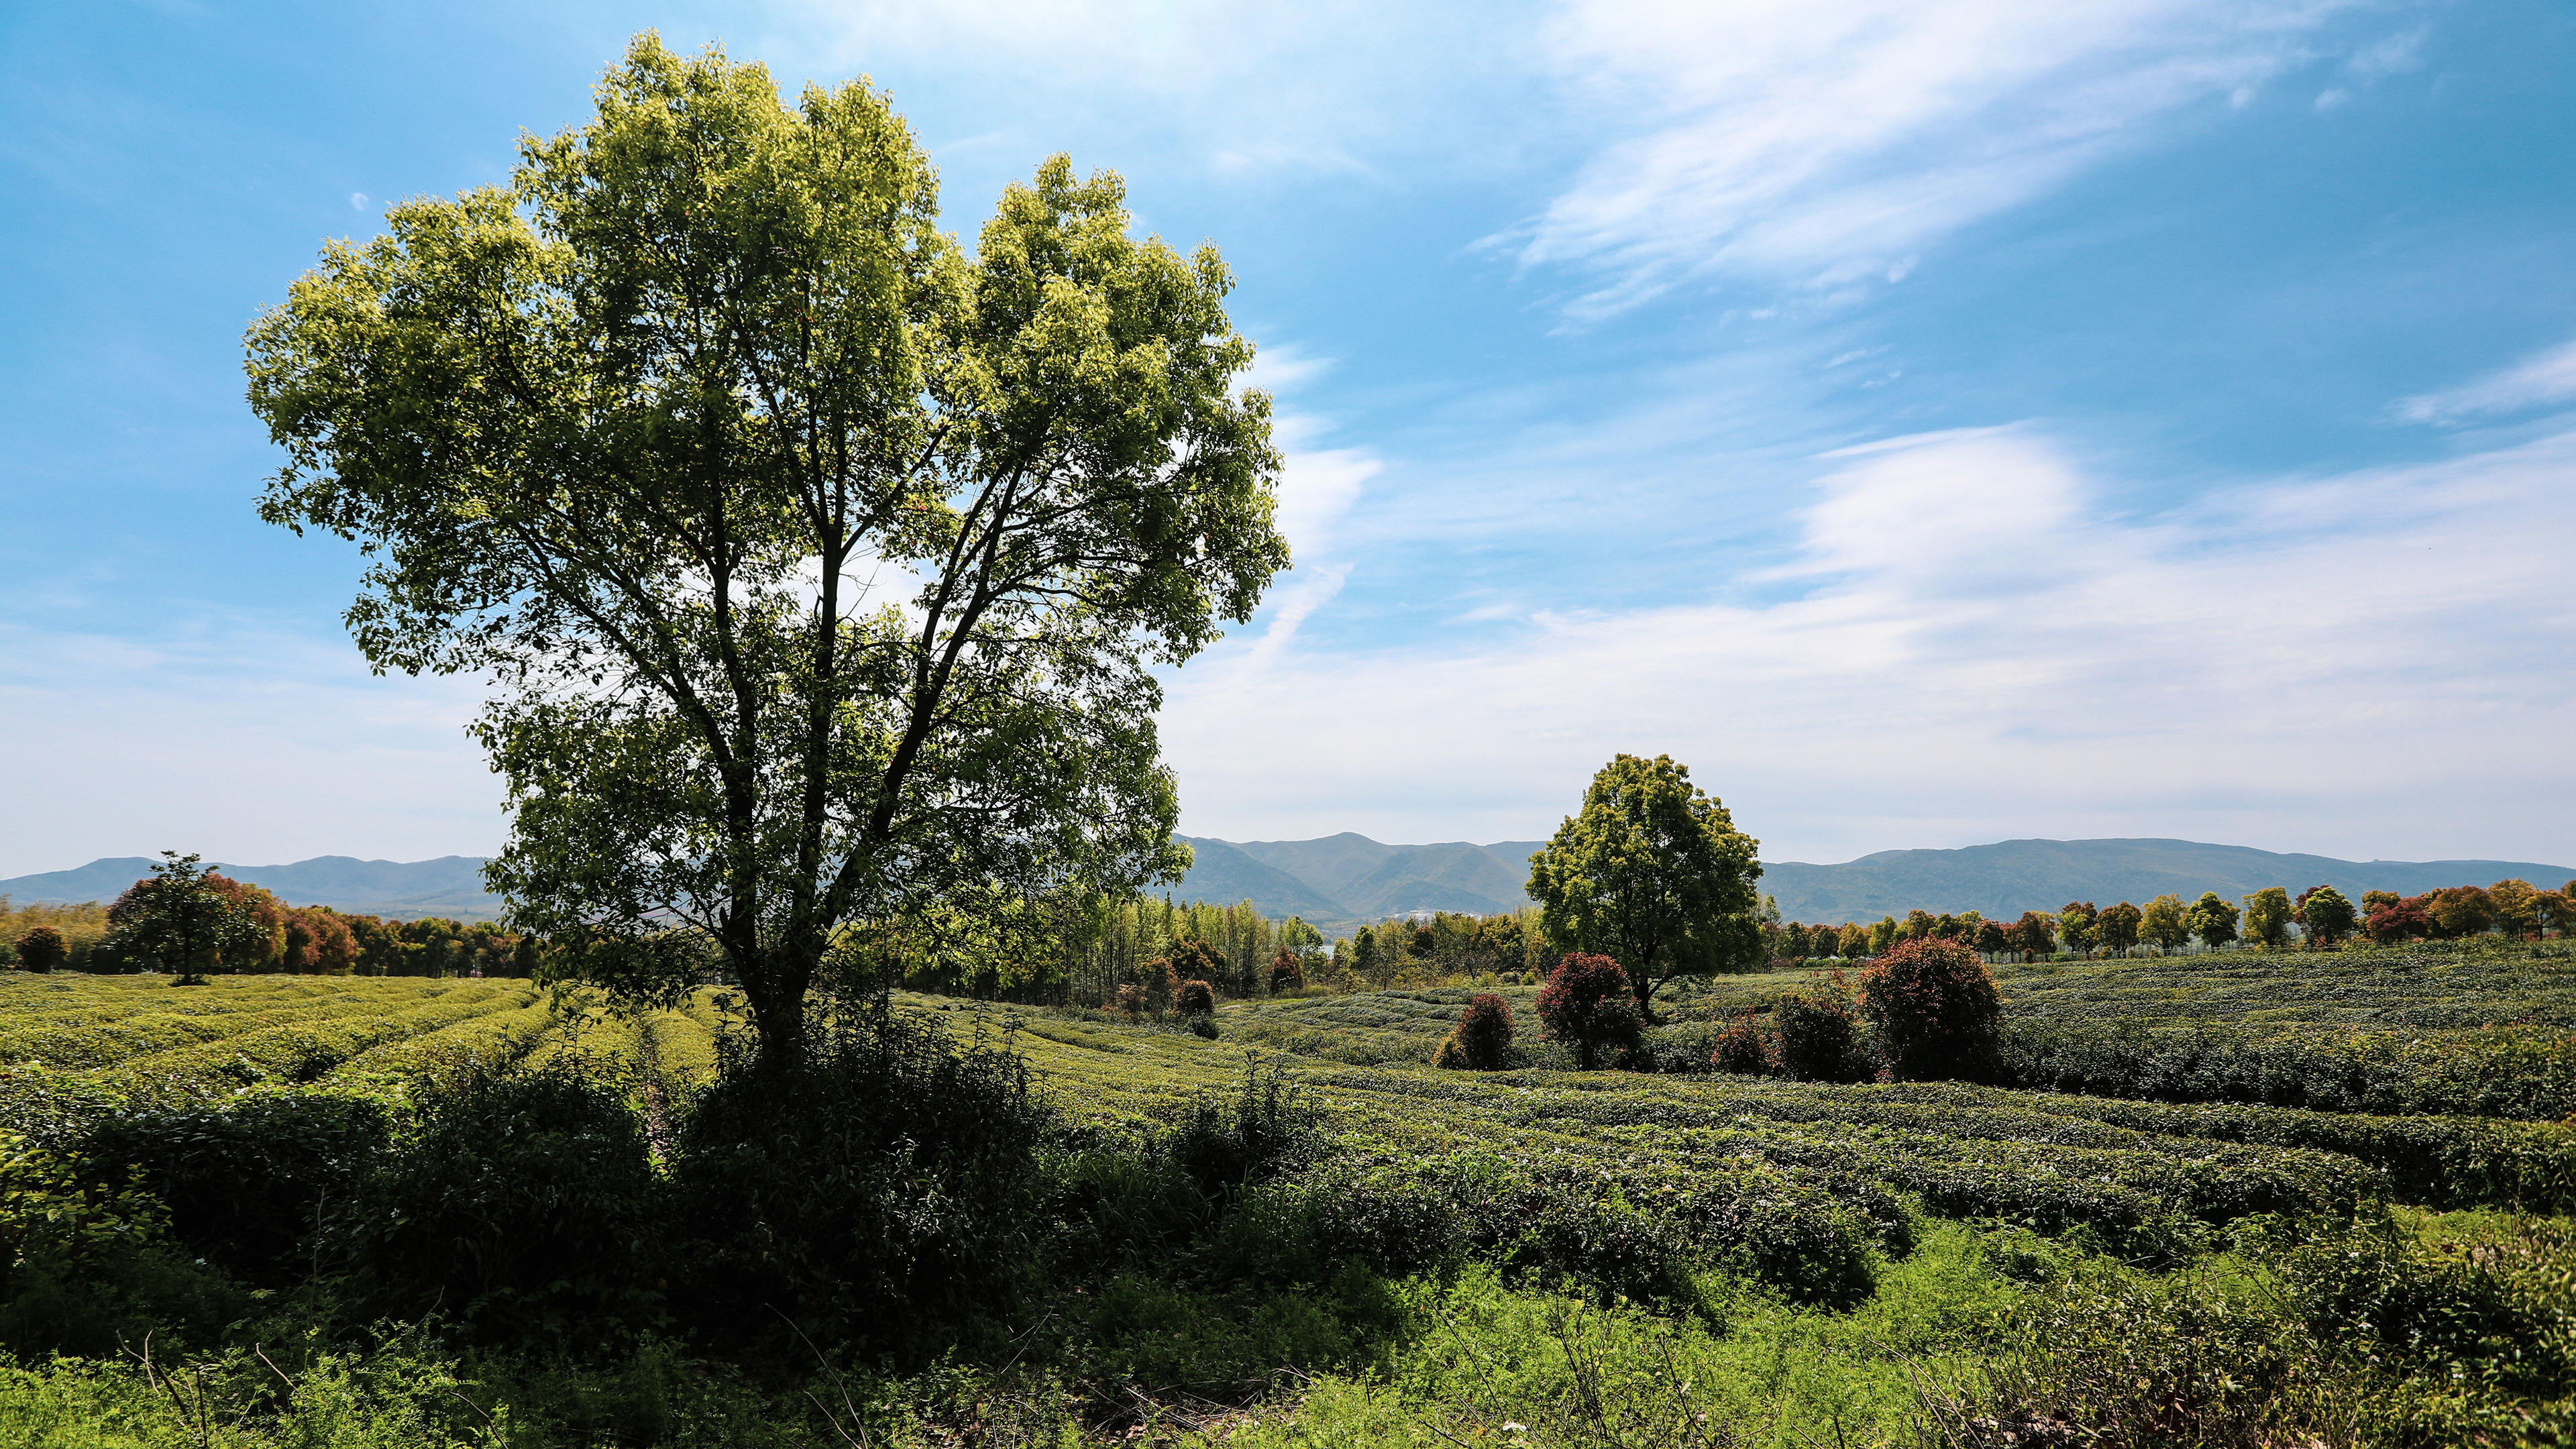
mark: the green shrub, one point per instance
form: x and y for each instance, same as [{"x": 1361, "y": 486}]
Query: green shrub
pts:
[
  {"x": 525, "y": 1208},
  {"x": 1820, "y": 1035},
  {"x": 249, "y": 1182},
  {"x": 1482, "y": 1039},
  {"x": 1266, "y": 1128}
]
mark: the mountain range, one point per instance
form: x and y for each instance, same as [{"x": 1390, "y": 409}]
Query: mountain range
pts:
[{"x": 1342, "y": 881}]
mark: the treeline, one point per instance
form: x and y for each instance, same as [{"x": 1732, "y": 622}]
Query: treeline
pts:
[
  {"x": 2267, "y": 919},
  {"x": 1151, "y": 946},
  {"x": 298, "y": 940}
]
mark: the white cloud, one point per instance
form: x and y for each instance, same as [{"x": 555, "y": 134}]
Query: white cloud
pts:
[
  {"x": 237, "y": 740},
  {"x": 1817, "y": 142},
  {"x": 357, "y": 201},
  {"x": 2538, "y": 381},
  {"x": 2377, "y": 664}
]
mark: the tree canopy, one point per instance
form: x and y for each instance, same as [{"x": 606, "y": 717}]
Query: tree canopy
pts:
[
  {"x": 1654, "y": 874},
  {"x": 819, "y": 564}
]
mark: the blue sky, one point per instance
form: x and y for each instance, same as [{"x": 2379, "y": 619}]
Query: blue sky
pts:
[{"x": 1932, "y": 424}]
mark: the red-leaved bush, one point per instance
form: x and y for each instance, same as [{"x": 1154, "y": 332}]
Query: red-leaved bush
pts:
[
  {"x": 1195, "y": 998},
  {"x": 1287, "y": 973},
  {"x": 1935, "y": 1009},
  {"x": 1745, "y": 1048},
  {"x": 1482, "y": 1039},
  {"x": 1586, "y": 1004}
]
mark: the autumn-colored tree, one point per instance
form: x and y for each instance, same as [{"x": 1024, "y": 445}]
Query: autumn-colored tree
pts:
[
  {"x": 41, "y": 948},
  {"x": 2267, "y": 917},
  {"x": 1482, "y": 1039},
  {"x": 2517, "y": 906},
  {"x": 2460, "y": 910},
  {"x": 2212, "y": 920},
  {"x": 1287, "y": 973},
  {"x": 318, "y": 941},
  {"x": 1653, "y": 872},
  {"x": 2075, "y": 921},
  {"x": 1934, "y": 1007},
  {"x": 2117, "y": 928},
  {"x": 1990, "y": 938},
  {"x": 2325, "y": 914},
  {"x": 2399, "y": 918},
  {"x": 2554, "y": 911},
  {"x": 2378, "y": 900},
  {"x": 1195, "y": 998},
  {"x": 1745, "y": 1047},
  {"x": 2038, "y": 933},
  {"x": 1588, "y": 1004},
  {"x": 2165, "y": 923}
]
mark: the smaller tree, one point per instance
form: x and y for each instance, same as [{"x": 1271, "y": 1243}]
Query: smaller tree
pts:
[
  {"x": 2517, "y": 906},
  {"x": 2325, "y": 914},
  {"x": 42, "y": 949},
  {"x": 2267, "y": 917},
  {"x": 1882, "y": 936},
  {"x": 2399, "y": 918},
  {"x": 1482, "y": 1039},
  {"x": 2075, "y": 921},
  {"x": 2554, "y": 911},
  {"x": 1195, "y": 998},
  {"x": 1852, "y": 941},
  {"x": 2166, "y": 923},
  {"x": 2378, "y": 900},
  {"x": 2212, "y": 920},
  {"x": 1990, "y": 938},
  {"x": 180, "y": 920},
  {"x": 2461, "y": 910},
  {"x": 1287, "y": 972},
  {"x": 1586, "y": 1003},
  {"x": 1935, "y": 1009},
  {"x": 2118, "y": 928},
  {"x": 2038, "y": 933}
]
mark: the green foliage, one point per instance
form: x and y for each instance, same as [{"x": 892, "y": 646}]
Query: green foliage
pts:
[
  {"x": 1482, "y": 1040},
  {"x": 1821, "y": 1034},
  {"x": 2268, "y": 914},
  {"x": 41, "y": 948},
  {"x": 2212, "y": 920},
  {"x": 2325, "y": 914},
  {"x": 1654, "y": 874},
  {"x": 2165, "y": 923},
  {"x": 180, "y": 920},
  {"x": 621, "y": 435},
  {"x": 252, "y": 1181}
]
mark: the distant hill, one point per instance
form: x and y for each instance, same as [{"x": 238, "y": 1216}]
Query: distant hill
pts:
[
  {"x": 2013, "y": 876},
  {"x": 1342, "y": 881},
  {"x": 451, "y": 885}
]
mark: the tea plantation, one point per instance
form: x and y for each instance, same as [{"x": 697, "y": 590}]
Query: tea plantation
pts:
[{"x": 2239, "y": 1198}]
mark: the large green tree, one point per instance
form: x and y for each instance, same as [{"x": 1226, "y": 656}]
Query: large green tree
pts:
[
  {"x": 819, "y": 564},
  {"x": 181, "y": 919},
  {"x": 1654, "y": 875}
]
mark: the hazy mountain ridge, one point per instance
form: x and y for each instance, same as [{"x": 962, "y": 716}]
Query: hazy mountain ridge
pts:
[{"x": 1341, "y": 881}]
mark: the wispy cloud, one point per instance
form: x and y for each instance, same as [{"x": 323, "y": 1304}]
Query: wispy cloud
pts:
[
  {"x": 2538, "y": 381},
  {"x": 1984, "y": 650},
  {"x": 1819, "y": 142}
]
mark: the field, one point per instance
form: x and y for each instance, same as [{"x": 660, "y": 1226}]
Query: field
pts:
[{"x": 1295, "y": 1232}]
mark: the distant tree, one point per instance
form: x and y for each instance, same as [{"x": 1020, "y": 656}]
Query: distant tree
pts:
[
  {"x": 1852, "y": 941},
  {"x": 1287, "y": 972},
  {"x": 1482, "y": 1039},
  {"x": 1882, "y": 936},
  {"x": 1364, "y": 954},
  {"x": 2378, "y": 900},
  {"x": 1917, "y": 925},
  {"x": 2267, "y": 917},
  {"x": 41, "y": 948},
  {"x": 2038, "y": 933},
  {"x": 1934, "y": 1008},
  {"x": 2212, "y": 920},
  {"x": 2166, "y": 922},
  {"x": 1588, "y": 1004},
  {"x": 1950, "y": 927},
  {"x": 2325, "y": 915},
  {"x": 1990, "y": 938},
  {"x": 1653, "y": 873},
  {"x": 2517, "y": 906},
  {"x": 2400, "y": 919},
  {"x": 2461, "y": 910},
  {"x": 2117, "y": 928},
  {"x": 2075, "y": 922},
  {"x": 178, "y": 920},
  {"x": 1194, "y": 998},
  {"x": 2554, "y": 911}
]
